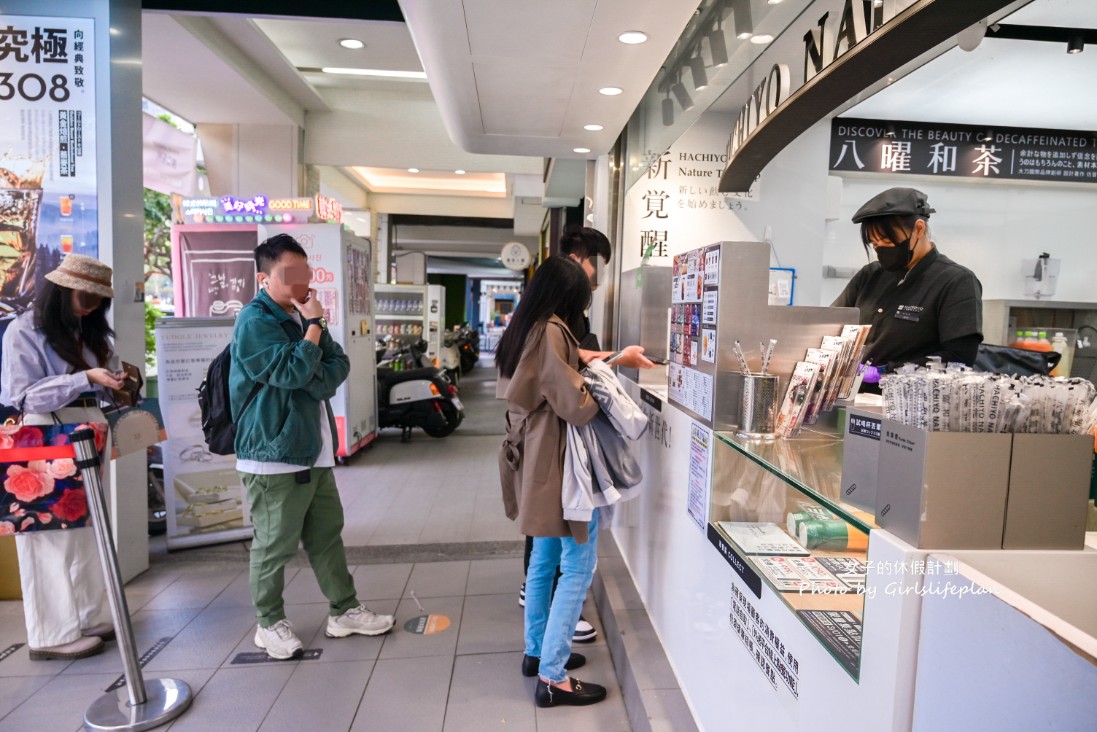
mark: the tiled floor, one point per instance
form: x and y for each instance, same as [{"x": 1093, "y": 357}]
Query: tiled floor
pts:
[{"x": 399, "y": 496}]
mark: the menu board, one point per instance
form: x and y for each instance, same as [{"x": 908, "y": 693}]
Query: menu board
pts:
[{"x": 695, "y": 284}]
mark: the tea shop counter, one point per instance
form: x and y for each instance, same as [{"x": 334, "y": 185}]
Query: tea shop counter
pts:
[{"x": 799, "y": 641}]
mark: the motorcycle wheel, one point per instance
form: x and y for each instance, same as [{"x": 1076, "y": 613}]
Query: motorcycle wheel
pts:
[{"x": 453, "y": 420}]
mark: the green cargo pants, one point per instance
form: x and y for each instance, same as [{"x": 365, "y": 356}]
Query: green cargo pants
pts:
[{"x": 285, "y": 513}]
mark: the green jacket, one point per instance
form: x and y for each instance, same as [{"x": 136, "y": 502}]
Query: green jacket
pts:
[{"x": 281, "y": 424}]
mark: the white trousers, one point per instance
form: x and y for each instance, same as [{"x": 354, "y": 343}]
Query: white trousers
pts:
[{"x": 63, "y": 588}]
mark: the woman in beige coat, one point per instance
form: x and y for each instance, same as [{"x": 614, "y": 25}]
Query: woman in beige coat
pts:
[{"x": 538, "y": 361}]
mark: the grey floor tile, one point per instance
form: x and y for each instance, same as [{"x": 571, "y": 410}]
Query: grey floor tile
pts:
[
  {"x": 330, "y": 692},
  {"x": 355, "y": 647},
  {"x": 381, "y": 581},
  {"x": 236, "y": 699},
  {"x": 19, "y": 663},
  {"x": 302, "y": 588},
  {"x": 438, "y": 579},
  {"x": 495, "y": 576},
  {"x": 668, "y": 711},
  {"x": 402, "y": 644},
  {"x": 149, "y": 626},
  {"x": 489, "y": 692},
  {"x": 647, "y": 661},
  {"x": 15, "y": 691},
  {"x": 58, "y": 706},
  {"x": 607, "y": 716},
  {"x": 385, "y": 705},
  {"x": 144, "y": 587},
  {"x": 238, "y": 592},
  {"x": 491, "y": 624},
  {"x": 207, "y": 640},
  {"x": 192, "y": 589}
]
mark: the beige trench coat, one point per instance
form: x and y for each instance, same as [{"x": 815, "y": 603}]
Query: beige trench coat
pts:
[{"x": 545, "y": 394}]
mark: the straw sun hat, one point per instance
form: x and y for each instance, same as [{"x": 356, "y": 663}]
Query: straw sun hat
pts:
[{"x": 87, "y": 274}]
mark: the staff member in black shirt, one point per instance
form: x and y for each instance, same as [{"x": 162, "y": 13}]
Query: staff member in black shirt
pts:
[{"x": 919, "y": 302}]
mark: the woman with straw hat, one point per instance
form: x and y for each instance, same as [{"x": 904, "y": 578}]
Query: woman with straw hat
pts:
[{"x": 59, "y": 359}]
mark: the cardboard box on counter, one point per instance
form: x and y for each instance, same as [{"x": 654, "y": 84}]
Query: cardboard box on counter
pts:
[
  {"x": 1048, "y": 492},
  {"x": 861, "y": 456},
  {"x": 942, "y": 490}
]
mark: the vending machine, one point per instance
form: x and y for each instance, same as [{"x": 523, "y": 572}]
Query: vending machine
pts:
[
  {"x": 411, "y": 312},
  {"x": 342, "y": 273}
]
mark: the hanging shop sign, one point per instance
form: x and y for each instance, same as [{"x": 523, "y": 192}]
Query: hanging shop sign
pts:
[
  {"x": 827, "y": 56},
  {"x": 48, "y": 197},
  {"x": 260, "y": 209},
  {"x": 962, "y": 151}
]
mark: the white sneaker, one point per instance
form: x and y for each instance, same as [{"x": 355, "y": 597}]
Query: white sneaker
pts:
[
  {"x": 360, "y": 620},
  {"x": 279, "y": 640}
]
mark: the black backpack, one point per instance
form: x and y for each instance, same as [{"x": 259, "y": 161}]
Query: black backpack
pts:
[
  {"x": 216, "y": 407},
  {"x": 213, "y": 400}
]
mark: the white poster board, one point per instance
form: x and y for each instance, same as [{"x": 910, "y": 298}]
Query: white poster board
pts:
[{"x": 205, "y": 498}]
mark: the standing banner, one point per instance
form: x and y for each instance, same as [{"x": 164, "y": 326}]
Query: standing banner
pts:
[
  {"x": 48, "y": 204},
  {"x": 205, "y": 498}
]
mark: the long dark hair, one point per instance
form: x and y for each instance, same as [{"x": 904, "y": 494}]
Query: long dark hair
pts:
[
  {"x": 559, "y": 287},
  {"x": 66, "y": 333}
]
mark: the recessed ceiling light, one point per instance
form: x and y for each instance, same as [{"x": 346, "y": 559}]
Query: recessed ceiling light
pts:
[
  {"x": 632, "y": 37},
  {"x": 610, "y": 91},
  {"x": 413, "y": 170},
  {"x": 458, "y": 172},
  {"x": 581, "y": 150},
  {"x": 351, "y": 43},
  {"x": 384, "y": 73},
  {"x": 761, "y": 39},
  {"x": 593, "y": 128},
  {"x": 774, "y": 2}
]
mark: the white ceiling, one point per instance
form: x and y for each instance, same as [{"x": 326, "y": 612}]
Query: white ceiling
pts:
[{"x": 1003, "y": 82}]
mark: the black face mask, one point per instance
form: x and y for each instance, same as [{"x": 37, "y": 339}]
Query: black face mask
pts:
[{"x": 896, "y": 258}]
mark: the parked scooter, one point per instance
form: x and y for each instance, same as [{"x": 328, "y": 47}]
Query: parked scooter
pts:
[
  {"x": 450, "y": 356},
  {"x": 468, "y": 343},
  {"x": 411, "y": 393}
]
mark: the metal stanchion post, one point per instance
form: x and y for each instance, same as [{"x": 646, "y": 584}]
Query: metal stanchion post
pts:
[{"x": 144, "y": 704}]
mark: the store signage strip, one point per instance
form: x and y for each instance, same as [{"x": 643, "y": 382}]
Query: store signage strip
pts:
[
  {"x": 736, "y": 560},
  {"x": 962, "y": 151},
  {"x": 843, "y": 54}
]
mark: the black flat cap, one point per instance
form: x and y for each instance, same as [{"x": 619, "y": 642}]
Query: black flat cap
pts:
[{"x": 895, "y": 202}]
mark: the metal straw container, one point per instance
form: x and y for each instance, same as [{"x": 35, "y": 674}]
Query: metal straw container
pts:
[{"x": 758, "y": 408}]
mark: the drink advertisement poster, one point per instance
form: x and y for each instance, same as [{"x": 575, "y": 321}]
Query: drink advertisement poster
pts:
[{"x": 47, "y": 150}]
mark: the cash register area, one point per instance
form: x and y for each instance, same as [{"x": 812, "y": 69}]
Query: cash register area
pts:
[{"x": 423, "y": 519}]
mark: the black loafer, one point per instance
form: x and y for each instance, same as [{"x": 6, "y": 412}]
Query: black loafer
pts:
[
  {"x": 531, "y": 664},
  {"x": 581, "y": 694}
]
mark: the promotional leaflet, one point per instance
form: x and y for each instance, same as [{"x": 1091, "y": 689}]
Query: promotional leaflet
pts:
[{"x": 48, "y": 204}]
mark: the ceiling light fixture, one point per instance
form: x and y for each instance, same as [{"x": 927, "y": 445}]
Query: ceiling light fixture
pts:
[
  {"x": 458, "y": 172},
  {"x": 593, "y": 128},
  {"x": 717, "y": 48},
  {"x": 581, "y": 150},
  {"x": 352, "y": 43},
  {"x": 668, "y": 110},
  {"x": 697, "y": 67},
  {"x": 632, "y": 37},
  {"x": 761, "y": 39},
  {"x": 774, "y": 2},
  {"x": 610, "y": 91},
  {"x": 680, "y": 93},
  {"x": 744, "y": 22},
  {"x": 413, "y": 170},
  {"x": 380, "y": 73},
  {"x": 1075, "y": 43}
]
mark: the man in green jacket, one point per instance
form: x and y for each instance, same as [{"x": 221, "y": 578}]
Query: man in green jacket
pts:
[{"x": 285, "y": 367}]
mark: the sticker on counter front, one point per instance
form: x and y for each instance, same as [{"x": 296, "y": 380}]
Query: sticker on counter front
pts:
[
  {"x": 700, "y": 458},
  {"x": 708, "y": 345},
  {"x": 710, "y": 301},
  {"x": 764, "y": 645}
]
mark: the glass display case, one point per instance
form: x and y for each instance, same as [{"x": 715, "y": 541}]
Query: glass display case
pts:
[{"x": 777, "y": 516}]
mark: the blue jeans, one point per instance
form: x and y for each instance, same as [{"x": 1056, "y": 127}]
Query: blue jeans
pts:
[{"x": 550, "y": 627}]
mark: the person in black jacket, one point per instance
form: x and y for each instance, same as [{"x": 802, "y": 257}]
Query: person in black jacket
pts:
[{"x": 919, "y": 302}]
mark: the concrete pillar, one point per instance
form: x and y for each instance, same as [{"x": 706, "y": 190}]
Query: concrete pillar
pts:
[{"x": 243, "y": 159}]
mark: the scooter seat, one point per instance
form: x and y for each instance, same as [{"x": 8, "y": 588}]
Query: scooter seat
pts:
[{"x": 390, "y": 376}]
